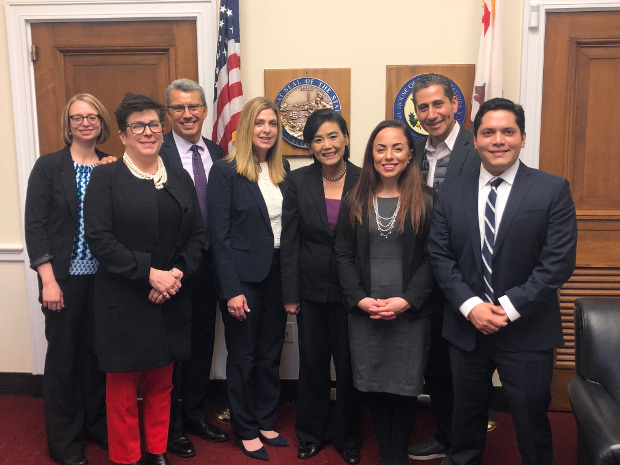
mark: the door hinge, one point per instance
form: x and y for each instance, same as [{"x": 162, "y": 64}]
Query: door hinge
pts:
[{"x": 33, "y": 53}]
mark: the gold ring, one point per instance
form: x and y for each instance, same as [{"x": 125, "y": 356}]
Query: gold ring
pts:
[{"x": 165, "y": 294}]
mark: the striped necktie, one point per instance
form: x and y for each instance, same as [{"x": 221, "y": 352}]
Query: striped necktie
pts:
[
  {"x": 200, "y": 182},
  {"x": 489, "y": 241}
]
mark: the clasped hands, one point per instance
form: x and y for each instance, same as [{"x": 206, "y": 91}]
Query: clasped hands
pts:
[
  {"x": 488, "y": 318},
  {"x": 164, "y": 284},
  {"x": 384, "y": 309}
]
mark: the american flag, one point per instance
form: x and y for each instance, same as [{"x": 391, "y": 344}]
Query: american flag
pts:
[
  {"x": 228, "y": 101},
  {"x": 488, "y": 81}
]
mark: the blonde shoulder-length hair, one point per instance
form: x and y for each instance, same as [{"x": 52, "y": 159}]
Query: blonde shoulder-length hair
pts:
[
  {"x": 104, "y": 117},
  {"x": 242, "y": 153}
]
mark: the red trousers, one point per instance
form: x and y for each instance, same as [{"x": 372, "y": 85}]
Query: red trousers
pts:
[{"x": 122, "y": 411}]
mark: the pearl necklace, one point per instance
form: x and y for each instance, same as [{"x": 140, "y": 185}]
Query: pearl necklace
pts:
[
  {"x": 159, "y": 178},
  {"x": 385, "y": 225},
  {"x": 344, "y": 171}
]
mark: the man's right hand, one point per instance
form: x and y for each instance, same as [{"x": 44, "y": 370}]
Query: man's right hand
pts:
[{"x": 488, "y": 318}]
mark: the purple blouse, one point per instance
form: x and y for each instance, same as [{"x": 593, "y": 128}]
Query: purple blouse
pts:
[{"x": 333, "y": 206}]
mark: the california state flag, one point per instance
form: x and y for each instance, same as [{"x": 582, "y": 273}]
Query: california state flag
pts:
[{"x": 488, "y": 82}]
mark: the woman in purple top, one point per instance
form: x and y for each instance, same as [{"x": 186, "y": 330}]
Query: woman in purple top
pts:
[{"x": 311, "y": 289}]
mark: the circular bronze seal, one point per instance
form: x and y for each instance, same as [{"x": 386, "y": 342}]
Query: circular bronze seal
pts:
[{"x": 297, "y": 100}]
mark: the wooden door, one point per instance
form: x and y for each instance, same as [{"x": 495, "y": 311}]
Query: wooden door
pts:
[
  {"x": 107, "y": 59},
  {"x": 580, "y": 140}
]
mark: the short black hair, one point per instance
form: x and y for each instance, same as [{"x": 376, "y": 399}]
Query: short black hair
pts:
[
  {"x": 499, "y": 103},
  {"x": 324, "y": 115},
  {"x": 432, "y": 79},
  {"x": 133, "y": 103}
]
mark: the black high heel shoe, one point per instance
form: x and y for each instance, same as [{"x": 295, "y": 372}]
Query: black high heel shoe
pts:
[
  {"x": 278, "y": 441},
  {"x": 259, "y": 454}
]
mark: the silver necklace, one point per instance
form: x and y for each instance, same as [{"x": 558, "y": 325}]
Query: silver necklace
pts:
[
  {"x": 385, "y": 225},
  {"x": 344, "y": 171},
  {"x": 159, "y": 178}
]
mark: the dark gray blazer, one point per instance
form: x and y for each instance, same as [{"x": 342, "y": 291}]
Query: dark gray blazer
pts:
[{"x": 464, "y": 158}]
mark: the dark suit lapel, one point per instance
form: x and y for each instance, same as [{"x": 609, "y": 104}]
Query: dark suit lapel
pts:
[
  {"x": 258, "y": 197},
  {"x": 470, "y": 210},
  {"x": 67, "y": 174},
  {"x": 169, "y": 151},
  {"x": 213, "y": 150},
  {"x": 462, "y": 146},
  {"x": 314, "y": 181},
  {"x": 521, "y": 185}
]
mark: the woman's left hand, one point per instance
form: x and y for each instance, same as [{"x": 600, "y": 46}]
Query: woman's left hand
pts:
[
  {"x": 157, "y": 297},
  {"x": 391, "y": 308}
]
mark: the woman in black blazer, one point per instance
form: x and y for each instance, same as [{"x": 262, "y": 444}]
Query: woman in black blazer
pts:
[
  {"x": 144, "y": 225},
  {"x": 245, "y": 205},
  {"x": 311, "y": 290},
  {"x": 385, "y": 277},
  {"x": 74, "y": 387}
]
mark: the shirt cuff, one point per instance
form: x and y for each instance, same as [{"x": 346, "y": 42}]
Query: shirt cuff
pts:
[
  {"x": 469, "y": 305},
  {"x": 510, "y": 309}
]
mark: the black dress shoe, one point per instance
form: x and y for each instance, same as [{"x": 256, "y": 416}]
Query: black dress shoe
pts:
[
  {"x": 207, "y": 431},
  {"x": 259, "y": 454},
  {"x": 179, "y": 444},
  {"x": 78, "y": 459},
  {"x": 305, "y": 451},
  {"x": 156, "y": 459},
  {"x": 351, "y": 456}
]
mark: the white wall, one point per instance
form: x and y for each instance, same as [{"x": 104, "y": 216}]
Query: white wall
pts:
[{"x": 363, "y": 35}]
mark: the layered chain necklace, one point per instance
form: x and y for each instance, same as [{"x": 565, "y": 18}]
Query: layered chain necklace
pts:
[
  {"x": 385, "y": 225},
  {"x": 159, "y": 178},
  {"x": 344, "y": 171}
]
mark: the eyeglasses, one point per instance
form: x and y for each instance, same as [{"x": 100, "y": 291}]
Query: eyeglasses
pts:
[
  {"x": 77, "y": 119},
  {"x": 138, "y": 128},
  {"x": 192, "y": 107}
]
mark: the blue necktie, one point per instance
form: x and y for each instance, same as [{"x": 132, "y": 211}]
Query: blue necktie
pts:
[
  {"x": 200, "y": 182},
  {"x": 489, "y": 241}
]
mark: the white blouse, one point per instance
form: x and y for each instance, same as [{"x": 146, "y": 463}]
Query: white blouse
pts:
[{"x": 273, "y": 198}]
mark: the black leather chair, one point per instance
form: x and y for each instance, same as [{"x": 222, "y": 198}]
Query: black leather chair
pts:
[{"x": 595, "y": 390}]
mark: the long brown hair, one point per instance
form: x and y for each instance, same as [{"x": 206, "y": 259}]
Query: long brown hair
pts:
[
  {"x": 416, "y": 198},
  {"x": 247, "y": 164}
]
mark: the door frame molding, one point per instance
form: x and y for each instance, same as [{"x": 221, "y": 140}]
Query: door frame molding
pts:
[
  {"x": 533, "y": 58},
  {"x": 19, "y": 17}
]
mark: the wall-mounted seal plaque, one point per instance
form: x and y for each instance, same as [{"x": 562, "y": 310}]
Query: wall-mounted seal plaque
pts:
[
  {"x": 298, "y": 93},
  {"x": 399, "y": 101}
]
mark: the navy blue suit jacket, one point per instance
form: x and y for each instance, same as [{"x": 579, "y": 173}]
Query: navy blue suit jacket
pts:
[
  {"x": 534, "y": 256},
  {"x": 239, "y": 226}
]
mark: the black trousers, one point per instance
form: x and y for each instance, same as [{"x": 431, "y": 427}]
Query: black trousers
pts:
[
  {"x": 254, "y": 351},
  {"x": 192, "y": 383},
  {"x": 526, "y": 380},
  {"x": 438, "y": 379},
  {"x": 323, "y": 333},
  {"x": 73, "y": 385}
]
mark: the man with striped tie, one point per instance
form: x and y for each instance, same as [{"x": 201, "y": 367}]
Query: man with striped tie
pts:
[{"x": 502, "y": 242}]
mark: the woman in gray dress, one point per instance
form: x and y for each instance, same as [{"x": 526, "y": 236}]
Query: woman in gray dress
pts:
[{"x": 385, "y": 277}]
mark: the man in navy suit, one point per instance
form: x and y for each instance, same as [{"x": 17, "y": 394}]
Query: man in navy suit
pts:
[
  {"x": 502, "y": 242},
  {"x": 447, "y": 152},
  {"x": 184, "y": 147}
]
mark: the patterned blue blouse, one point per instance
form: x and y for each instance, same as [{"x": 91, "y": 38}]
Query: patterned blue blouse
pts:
[{"x": 82, "y": 260}]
